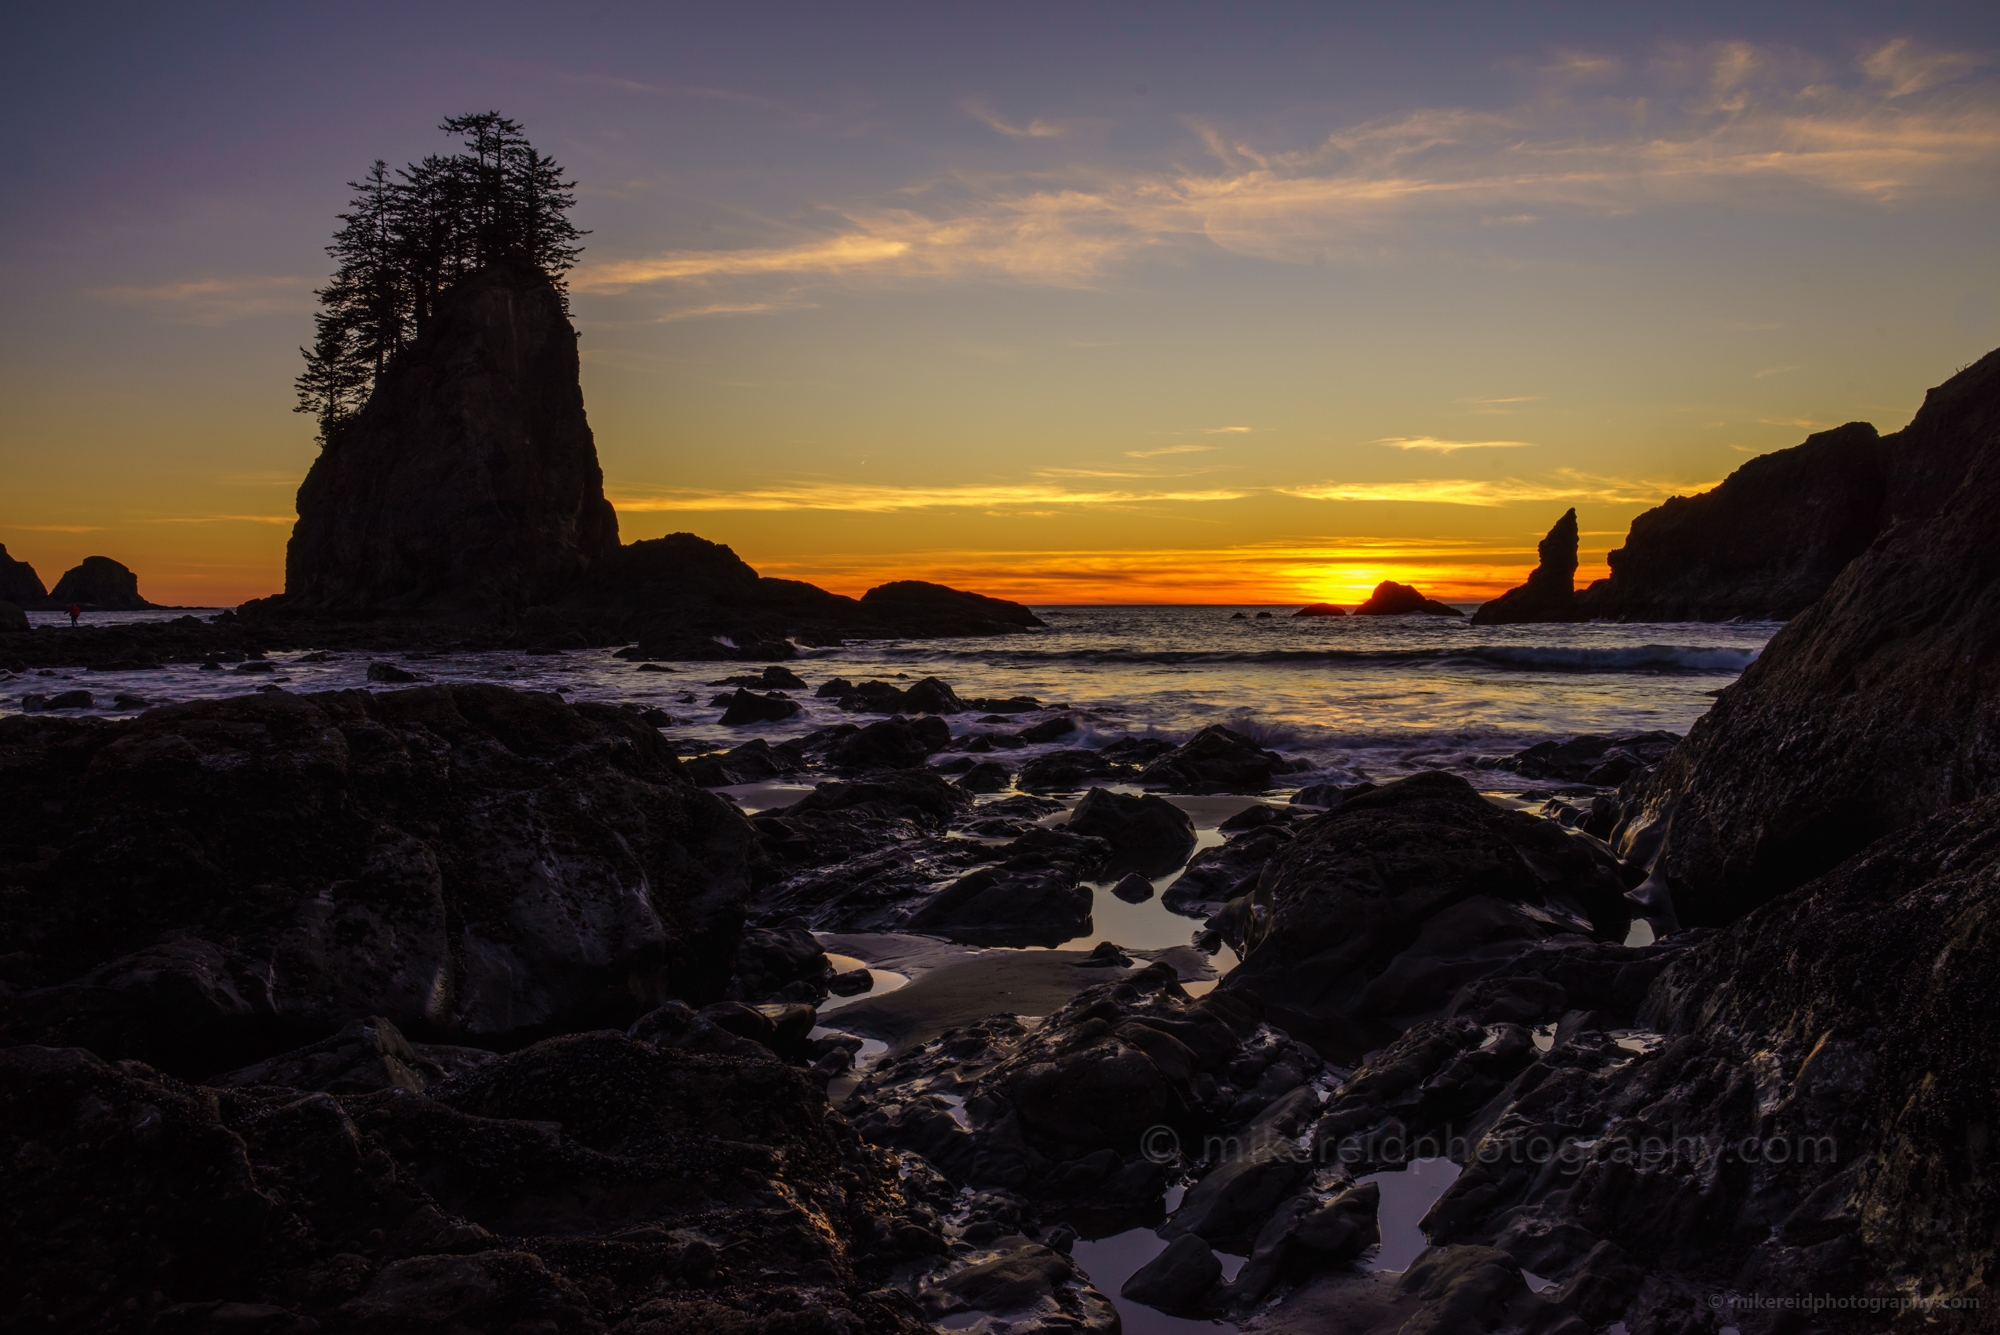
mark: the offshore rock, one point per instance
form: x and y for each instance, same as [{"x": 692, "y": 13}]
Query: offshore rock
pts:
[
  {"x": 949, "y": 611},
  {"x": 1147, "y": 833},
  {"x": 19, "y": 584},
  {"x": 1319, "y": 610},
  {"x": 1372, "y": 915},
  {"x": 1872, "y": 710},
  {"x": 1550, "y": 593},
  {"x": 212, "y": 883},
  {"x": 12, "y": 618},
  {"x": 470, "y": 481},
  {"x": 1391, "y": 599},
  {"x": 100, "y": 584}
]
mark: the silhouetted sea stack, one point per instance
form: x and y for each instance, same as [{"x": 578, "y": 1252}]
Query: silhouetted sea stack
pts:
[
  {"x": 1391, "y": 599},
  {"x": 19, "y": 584},
  {"x": 470, "y": 480},
  {"x": 99, "y": 584},
  {"x": 1320, "y": 610},
  {"x": 1550, "y": 593},
  {"x": 1875, "y": 708}
]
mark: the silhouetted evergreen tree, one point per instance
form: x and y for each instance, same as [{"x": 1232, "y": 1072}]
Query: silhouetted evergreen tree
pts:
[{"x": 405, "y": 239}]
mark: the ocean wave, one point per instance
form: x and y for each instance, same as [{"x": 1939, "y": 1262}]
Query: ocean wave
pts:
[{"x": 1691, "y": 658}]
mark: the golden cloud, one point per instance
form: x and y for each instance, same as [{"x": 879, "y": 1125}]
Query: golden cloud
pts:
[
  {"x": 876, "y": 499},
  {"x": 1436, "y": 446}
]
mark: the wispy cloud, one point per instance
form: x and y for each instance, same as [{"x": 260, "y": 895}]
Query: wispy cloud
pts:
[
  {"x": 225, "y": 519},
  {"x": 1036, "y": 129},
  {"x": 878, "y": 499},
  {"x": 1517, "y": 398},
  {"x": 1732, "y": 125},
  {"x": 1229, "y": 430},
  {"x": 58, "y": 528},
  {"x": 1435, "y": 446},
  {"x": 1568, "y": 485},
  {"x": 1168, "y": 449},
  {"x": 1770, "y": 371},
  {"x": 212, "y": 301}
]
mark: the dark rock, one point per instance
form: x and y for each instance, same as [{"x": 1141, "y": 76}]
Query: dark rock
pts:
[
  {"x": 1013, "y": 704},
  {"x": 986, "y": 777},
  {"x": 852, "y": 983},
  {"x": 1320, "y": 610},
  {"x": 1329, "y": 795},
  {"x": 891, "y": 743},
  {"x": 1238, "y": 616},
  {"x": 19, "y": 584},
  {"x": 470, "y": 480},
  {"x": 834, "y": 689},
  {"x": 1137, "y": 750},
  {"x": 1765, "y": 543},
  {"x": 365, "y": 1056},
  {"x": 125, "y": 700},
  {"x": 12, "y": 618},
  {"x": 931, "y": 696},
  {"x": 1252, "y": 817},
  {"x": 914, "y": 795},
  {"x": 1048, "y": 730},
  {"x": 1008, "y": 906},
  {"x": 783, "y": 959},
  {"x": 1147, "y": 834},
  {"x": 1591, "y": 758},
  {"x": 1214, "y": 760},
  {"x": 772, "y": 678},
  {"x": 60, "y": 700},
  {"x": 1550, "y": 592},
  {"x": 1218, "y": 875},
  {"x": 1229, "y": 1206},
  {"x": 955, "y": 612},
  {"x": 752, "y": 762},
  {"x": 1135, "y": 888},
  {"x": 605, "y": 1163},
  {"x": 229, "y": 877},
  {"x": 99, "y": 584},
  {"x": 256, "y": 665},
  {"x": 1375, "y": 913},
  {"x": 1391, "y": 599},
  {"x": 1063, "y": 771},
  {"x": 1872, "y": 710},
  {"x": 1178, "y": 1279},
  {"x": 1262, "y": 616},
  {"x": 749, "y": 707},
  {"x": 389, "y": 672}
]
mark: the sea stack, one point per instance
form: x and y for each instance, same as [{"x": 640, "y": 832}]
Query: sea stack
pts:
[
  {"x": 1550, "y": 593},
  {"x": 470, "y": 481},
  {"x": 1391, "y": 599},
  {"x": 99, "y": 584}
]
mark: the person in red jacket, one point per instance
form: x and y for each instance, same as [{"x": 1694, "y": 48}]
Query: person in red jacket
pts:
[{"x": 75, "y": 614}]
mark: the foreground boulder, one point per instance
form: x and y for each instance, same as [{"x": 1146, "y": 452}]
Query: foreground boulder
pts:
[
  {"x": 1147, "y": 834},
  {"x": 1550, "y": 592},
  {"x": 1214, "y": 760},
  {"x": 581, "y": 1182},
  {"x": 1873, "y": 709},
  {"x": 210, "y": 883},
  {"x": 1372, "y": 915}
]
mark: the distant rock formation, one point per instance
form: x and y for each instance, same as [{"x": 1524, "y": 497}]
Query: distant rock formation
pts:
[
  {"x": 13, "y": 618},
  {"x": 470, "y": 480},
  {"x": 19, "y": 584},
  {"x": 1391, "y": 599},
  {"x": 100, "y": 584},
  {"x": 1875, "y": 708},
  {"x": 1550, "y": 593},
  {"x": 470, "y": 484},
  {"x": 1319, "y": 610}
]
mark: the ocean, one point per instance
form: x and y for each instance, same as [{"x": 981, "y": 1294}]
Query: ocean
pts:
[{"x": 1353, "y": 697}]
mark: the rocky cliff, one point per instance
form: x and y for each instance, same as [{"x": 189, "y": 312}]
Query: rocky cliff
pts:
[
  {"x": 1550, "y": 593},
  {"x": 470, "y": 480},
  {"x": 1872, "y": 710},
  {"x": 19, "y": 584}
]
